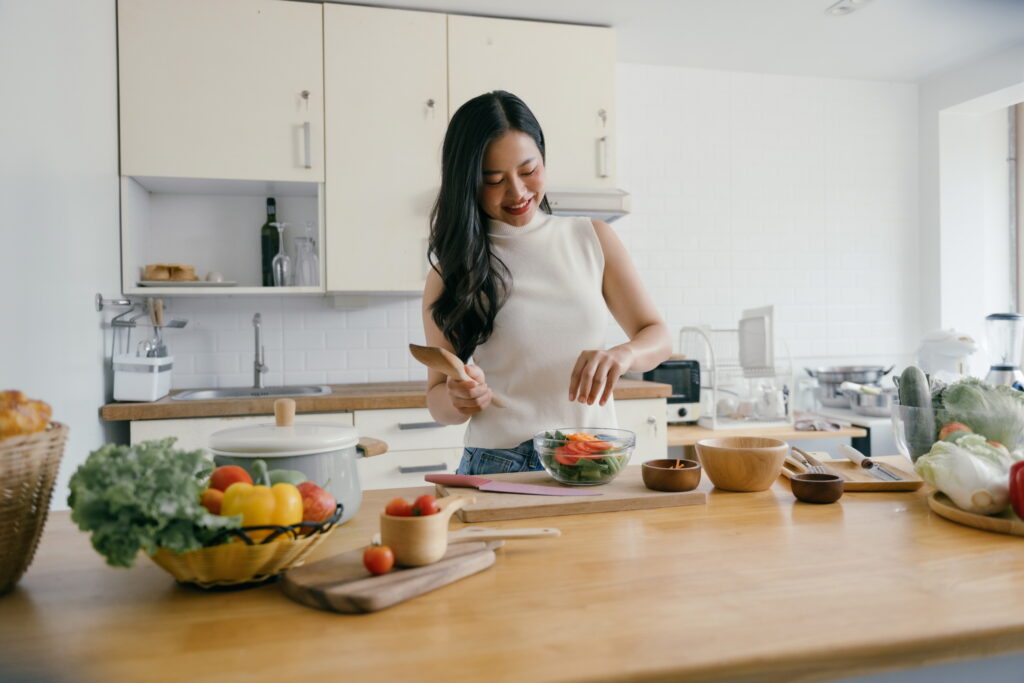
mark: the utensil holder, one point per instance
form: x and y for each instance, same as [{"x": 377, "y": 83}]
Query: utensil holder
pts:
[{"x": 141, "y": 378}]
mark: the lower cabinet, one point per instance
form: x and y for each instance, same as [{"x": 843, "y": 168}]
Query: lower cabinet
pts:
[{"x": 417, "y": 444}]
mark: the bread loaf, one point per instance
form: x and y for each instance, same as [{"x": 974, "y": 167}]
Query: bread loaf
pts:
[
  {"x": 21, "y": 415},
  {"x": 175, "y": 272}
]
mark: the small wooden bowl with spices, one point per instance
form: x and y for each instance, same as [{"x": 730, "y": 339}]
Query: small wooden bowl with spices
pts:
[{"x": 670, "y": 474}]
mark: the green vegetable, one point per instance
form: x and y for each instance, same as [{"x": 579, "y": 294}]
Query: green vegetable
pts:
[
  {"x": 293, "y": 477},
  {"x": 143, "y": 497},
  {"x": 976, "y": 445},
  {"x": 260, "y": 475},
  {"x": 914, "y": 392},
  {"x": 974, "y": 483},
  {"x": 995, "y": 411}
]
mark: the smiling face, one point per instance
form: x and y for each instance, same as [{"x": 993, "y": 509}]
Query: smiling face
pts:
[{"x": 513, "y": 179}]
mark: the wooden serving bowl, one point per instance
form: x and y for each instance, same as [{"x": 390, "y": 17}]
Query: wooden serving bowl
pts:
[
  {"x": 812, "y": 487},
  {"x": 418, "y": 541},
  {"x": 669, "y": 474},
  {"x": 742, "y": 463}
]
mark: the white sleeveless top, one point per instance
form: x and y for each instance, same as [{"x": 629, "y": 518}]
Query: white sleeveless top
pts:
[{"x": 555, "y": 310}]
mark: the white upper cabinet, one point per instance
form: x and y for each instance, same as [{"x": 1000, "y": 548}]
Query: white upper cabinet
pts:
[
  {"x": 226, "y": 89},
  {"x": 564, "y": 73},
  {"x": 386, "y": 114}
]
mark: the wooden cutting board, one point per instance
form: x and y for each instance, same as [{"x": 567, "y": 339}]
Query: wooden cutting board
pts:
[
  {"x": 625, "y": 492},
  {"x": 1006, "y": 523},
  {"x": 342, "y": 584},
  {"x": 856, "y": 478}
]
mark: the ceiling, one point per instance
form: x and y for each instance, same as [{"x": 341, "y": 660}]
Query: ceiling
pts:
[{"x": 891, "y": 40}]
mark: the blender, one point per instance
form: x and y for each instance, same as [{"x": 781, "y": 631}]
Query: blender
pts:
[{"x": 1005, "y": 335}]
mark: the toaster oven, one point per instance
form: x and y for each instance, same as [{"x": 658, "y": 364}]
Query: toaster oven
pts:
[{"x": 683, "y": 374}]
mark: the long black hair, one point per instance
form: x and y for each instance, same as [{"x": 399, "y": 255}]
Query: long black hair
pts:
[{"x": 476, "y": 283}]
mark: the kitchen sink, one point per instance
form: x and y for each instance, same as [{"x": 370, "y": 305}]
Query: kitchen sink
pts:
[{"x": 252, "y": 392}]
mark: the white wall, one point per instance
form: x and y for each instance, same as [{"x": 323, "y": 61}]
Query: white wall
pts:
[{"x": 58, "y": 193}]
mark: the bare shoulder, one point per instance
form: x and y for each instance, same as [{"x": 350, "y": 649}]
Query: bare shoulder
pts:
[
  {"x": 432, "y": 288},
  {"x": 610, "y": 242}
]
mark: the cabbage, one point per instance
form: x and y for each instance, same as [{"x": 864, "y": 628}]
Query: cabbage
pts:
[
  {"x": 974, "y": 483},
  {"x": 998, "y": 455},
  {"x": 995, "y": 411}
]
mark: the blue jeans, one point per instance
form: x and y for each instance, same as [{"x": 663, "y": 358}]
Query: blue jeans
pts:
[{"x": 522, "y": 458}]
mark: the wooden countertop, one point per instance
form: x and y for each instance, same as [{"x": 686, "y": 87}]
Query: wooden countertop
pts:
[
  {"x": 751, "y": 586},
  {"x": 369, "y": 396},
  {"x": 689, "y": 435}
]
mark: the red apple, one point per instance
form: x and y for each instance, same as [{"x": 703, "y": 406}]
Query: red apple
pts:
[
  {"x": 317, "y": 505},
  {"x": 226, "y": 475}
]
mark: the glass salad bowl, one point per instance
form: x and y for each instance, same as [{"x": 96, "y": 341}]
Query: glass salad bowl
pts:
[
  {"x": 916, "y": 429},
  {"x": 584, "y": 456}
]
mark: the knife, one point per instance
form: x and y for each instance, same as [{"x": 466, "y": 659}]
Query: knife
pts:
[
  {"x": 485, "y": 484},
  {"x": 873, "y": 468}
]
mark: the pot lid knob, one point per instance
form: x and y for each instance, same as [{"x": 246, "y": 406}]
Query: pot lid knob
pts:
[{"x": 284, "y": 412}]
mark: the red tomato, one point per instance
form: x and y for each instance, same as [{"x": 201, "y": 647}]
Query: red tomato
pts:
[
  {"x": 425, "y": 505},
  {"x": 226, "y": 475},
  {"x": 595, "y": 446},
  {"x": 567, "y": 459},
  {"x": 398, "y": 507},
  {"x": 378, "y": 559}
]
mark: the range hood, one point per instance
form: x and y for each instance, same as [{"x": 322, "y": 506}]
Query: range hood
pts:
[{"x": 605, "y": 205}]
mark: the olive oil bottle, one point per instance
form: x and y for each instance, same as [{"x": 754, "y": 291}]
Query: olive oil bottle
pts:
[{"x": 269, "y": 242}]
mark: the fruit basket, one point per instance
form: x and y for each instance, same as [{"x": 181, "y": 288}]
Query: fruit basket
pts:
[
  {"x": 28, "y": 467},
  {"x": 236, "y": 559}
]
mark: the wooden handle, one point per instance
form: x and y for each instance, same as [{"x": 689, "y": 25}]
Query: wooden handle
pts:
[
  {"x": 158, "y": 312},
  {"x": 284, "y": 412},
  {"x": 457, "y": 366},
  {"x": 807, "y": 456},
  {"x": 482, "y": 533},
  {"x": 791, "y": 467},
  {"x": 370, "y": 447}
]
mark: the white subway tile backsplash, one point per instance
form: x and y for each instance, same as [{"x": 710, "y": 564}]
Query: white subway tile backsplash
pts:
[
  {"x": 332, "y": 359},
  {"x": 346, "y": 339},
  {"x": 369, "y": 359}
]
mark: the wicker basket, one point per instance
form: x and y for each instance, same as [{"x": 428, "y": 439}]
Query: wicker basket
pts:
[
  {"x": 241, "y": 563},
  {"x": 28, "y": 468}
]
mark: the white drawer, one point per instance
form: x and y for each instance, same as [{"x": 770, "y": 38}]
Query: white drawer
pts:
[
  {"x": 194, "y": 432},
  {"x": 406, "y": 468},
  {"x": 408, "y": 429}
]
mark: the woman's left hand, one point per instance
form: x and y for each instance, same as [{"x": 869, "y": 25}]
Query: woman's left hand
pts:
[{"x": 596, "y": 372}]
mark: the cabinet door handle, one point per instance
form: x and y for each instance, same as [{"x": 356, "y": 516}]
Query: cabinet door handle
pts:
[
  {"x": 653, "y": 421},
  {"x": 602, "y": 156},
  {"x": 440, "y": 467},
  {"x": 419, "y": 425},
  {"x": 307, "y": 144}
]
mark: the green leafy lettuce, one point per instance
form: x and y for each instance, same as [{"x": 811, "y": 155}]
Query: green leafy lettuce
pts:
[
  {"x": 143, "y": 497},
  {"x": 995, "y": 411}
]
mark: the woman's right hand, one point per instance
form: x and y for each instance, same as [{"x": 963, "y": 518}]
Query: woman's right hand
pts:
[{"x": 471, "y": 396}]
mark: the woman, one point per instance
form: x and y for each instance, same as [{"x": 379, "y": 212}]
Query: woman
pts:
[{"x": 525, "y": 294}]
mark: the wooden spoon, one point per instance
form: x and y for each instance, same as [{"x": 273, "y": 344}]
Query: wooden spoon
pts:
[{"x": 447, "y": 363}]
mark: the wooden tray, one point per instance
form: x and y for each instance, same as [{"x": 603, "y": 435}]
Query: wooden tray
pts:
[
  {"x": 625, "y": 492},
  {"x": 1007, "y": 523},
  {"x": 855, "y": 478},
  {"x": 342, "y": 584}
]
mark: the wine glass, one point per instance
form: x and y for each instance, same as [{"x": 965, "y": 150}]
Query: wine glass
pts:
[
  {"x": 307, "y": 264},
  {"x": 281, "y": 265}
]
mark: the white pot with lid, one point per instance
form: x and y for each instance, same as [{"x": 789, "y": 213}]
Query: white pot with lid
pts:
[{"x": 325, "y": 453}]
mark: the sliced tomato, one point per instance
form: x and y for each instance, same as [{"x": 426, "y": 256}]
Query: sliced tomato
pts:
[
  {"x": 595, "y": 446},
  {"x": 567, "y": 459},
  {"x": 580, "y": 436}
]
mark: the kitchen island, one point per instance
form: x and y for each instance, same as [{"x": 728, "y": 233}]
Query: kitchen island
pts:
[{"x": 750, "y": 586}]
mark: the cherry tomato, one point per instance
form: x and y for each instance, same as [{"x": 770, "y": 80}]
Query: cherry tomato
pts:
[
  {"x": 399, "y": 507},
  {"x": 425, "y": 505},
  {"x": 378, "y": 559}
]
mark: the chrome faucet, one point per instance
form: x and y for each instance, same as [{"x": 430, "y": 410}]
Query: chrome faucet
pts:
[{"x": 259, "y": 368}]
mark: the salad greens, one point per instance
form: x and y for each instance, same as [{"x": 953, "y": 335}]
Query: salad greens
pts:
[
  {"x": 995, "y": 411},
  {"x": 144, "y": 497}
]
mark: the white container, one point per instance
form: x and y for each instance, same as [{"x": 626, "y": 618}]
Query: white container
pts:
[{"x": 140, "y": 378}]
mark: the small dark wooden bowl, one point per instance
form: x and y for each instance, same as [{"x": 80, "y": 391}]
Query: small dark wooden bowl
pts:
[
  {"x": 659, "y": 475},
  {"x": 817, "y": 488}
]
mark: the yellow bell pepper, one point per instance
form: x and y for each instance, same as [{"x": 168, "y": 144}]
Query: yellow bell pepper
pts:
[{"x": 280, "y": 505}]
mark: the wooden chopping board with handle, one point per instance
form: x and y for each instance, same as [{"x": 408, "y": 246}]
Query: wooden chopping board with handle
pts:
[
  {"x": 342, "y": 584},
  {"x": 625, "y": 492},
  {"x": 855, "y": 477}
]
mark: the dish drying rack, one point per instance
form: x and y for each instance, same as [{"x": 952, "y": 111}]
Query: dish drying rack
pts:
[
  {"x": 122, "y": 325},
  {"x": 737, "y": 391}
]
